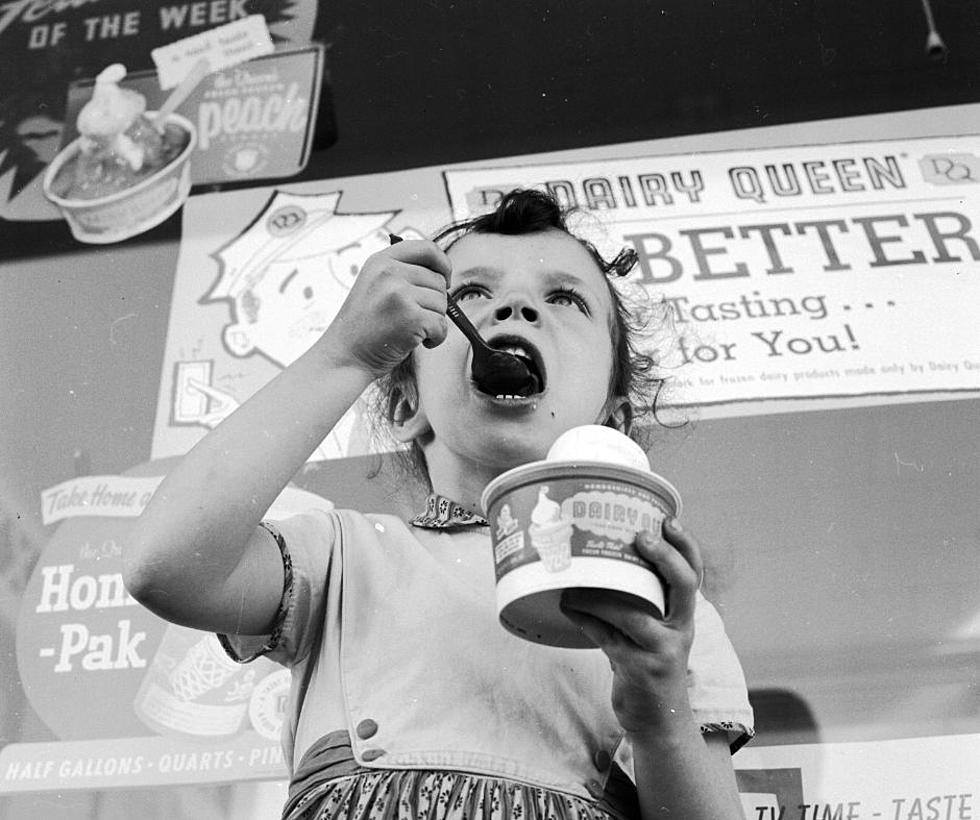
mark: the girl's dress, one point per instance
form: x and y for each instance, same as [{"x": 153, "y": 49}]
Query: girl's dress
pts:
[{"x": 409, "y": 700}]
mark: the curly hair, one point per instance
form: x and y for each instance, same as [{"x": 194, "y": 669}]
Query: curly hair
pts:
[{"x": 635, "y": 374}]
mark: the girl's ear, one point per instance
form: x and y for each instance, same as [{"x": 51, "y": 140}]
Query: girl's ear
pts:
[
  {"x": 617, "y": 413},
  {"x": 408, "y": 421}
]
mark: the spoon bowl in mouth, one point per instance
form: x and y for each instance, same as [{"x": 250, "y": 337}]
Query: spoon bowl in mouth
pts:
[
  {"x": 494, "y": 372},
  {"x": 503, "y": 374}
]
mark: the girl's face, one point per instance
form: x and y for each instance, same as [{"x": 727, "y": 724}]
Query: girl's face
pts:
[{"x": 540, "y": 295}]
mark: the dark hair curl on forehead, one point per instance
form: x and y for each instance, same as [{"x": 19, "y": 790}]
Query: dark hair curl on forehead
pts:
[{"x": 635, "y": 374}]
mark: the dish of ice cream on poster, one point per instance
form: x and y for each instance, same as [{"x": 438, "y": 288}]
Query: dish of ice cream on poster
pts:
[{"x": 128, "y": 170}]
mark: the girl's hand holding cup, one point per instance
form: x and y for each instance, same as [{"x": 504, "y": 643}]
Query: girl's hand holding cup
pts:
[
  {"x": 398, "y": 301},
  {"x": 648, "y": 655}
]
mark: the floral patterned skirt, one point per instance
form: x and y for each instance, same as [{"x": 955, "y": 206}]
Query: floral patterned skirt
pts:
[
  {"x": 438, "y": 795},
  {"x": 331, "y": 786}
]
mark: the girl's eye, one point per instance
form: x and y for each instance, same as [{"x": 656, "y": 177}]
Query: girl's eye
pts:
[
  {"x": 567, "y": 297},
  {"x": 465, "y": 292}
]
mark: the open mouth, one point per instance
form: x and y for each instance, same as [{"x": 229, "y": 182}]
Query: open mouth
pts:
[{"x": 516, "y": 370}]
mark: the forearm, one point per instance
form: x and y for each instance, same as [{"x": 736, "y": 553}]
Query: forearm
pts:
[
  {"x": 680, "y": 773},
  {"x": 203, "y": 514}
]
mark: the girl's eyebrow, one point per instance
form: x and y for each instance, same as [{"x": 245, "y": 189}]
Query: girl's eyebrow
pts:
[
  {"x": 560, "y": 277},
  {"x": 552, "y": 278},
  {"x": 479, "y": 272}
]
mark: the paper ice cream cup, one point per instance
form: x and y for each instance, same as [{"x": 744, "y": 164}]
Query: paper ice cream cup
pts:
[
  {"x": 588, "y": 543},
  {"x": 132, "y": 210}
]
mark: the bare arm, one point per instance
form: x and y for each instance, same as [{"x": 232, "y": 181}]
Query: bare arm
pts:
[
  {"x": 679, "y": 773},
  {"x": 685, "y": 774},
  {"x": 196, "y": 555}
]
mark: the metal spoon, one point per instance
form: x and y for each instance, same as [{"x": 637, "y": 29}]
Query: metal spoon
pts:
[{"x": 494, "y": 371}]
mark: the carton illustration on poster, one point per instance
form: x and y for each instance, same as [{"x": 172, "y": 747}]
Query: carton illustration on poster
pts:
[{"x": 147, "y": 685}]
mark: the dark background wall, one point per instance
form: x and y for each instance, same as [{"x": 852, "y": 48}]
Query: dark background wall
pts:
[{"x": 436, "y": 82}]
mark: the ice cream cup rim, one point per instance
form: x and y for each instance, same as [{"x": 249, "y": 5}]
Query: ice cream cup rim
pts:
[
  {"x": 73, "y": 148},
  {"x": 539, "y": 470}
]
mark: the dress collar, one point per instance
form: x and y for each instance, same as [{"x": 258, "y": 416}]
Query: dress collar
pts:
[{"x": 442, "y": 513}]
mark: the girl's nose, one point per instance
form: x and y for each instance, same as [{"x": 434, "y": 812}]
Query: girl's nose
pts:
[{"x": 516, "y": 308}]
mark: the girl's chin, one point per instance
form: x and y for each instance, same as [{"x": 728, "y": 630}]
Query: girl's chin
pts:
[{"x": 506, "y": 448}]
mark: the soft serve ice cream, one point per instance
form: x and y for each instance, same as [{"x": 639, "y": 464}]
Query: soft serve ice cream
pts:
[
  {"x": 572, "y": 521},
  {"x": 595, "y": 442},
  {"x": 114, "y": 125},
  {"x": 550, "y": 533}
]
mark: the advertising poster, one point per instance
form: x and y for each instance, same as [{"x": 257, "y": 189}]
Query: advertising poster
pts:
[
  {"x": 45, "y": 47},
  {"x": 261, "y": 274},
  {"x": 792, "y": 273},
  {"x": 781, "y": 290},
  {"x": 928, "y": 778},
  {"x": 254, "y": 120},
  {"x": 130, "y": 699}
]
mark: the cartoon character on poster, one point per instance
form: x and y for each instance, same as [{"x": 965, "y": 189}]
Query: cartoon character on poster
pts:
[{"x": 284, "y": 278}]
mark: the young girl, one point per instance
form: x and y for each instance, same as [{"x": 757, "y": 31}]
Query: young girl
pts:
[{"x": 409, "y": 700}]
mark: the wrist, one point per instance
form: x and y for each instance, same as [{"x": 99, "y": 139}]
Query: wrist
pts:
[
  {"x": 666, "y": 722},
  {"x": 346, "y": 347},
  {"x": 334, "y": 352}
]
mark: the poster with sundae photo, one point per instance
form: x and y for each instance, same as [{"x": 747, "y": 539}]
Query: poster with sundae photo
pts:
[
  {"x": 253, "y": 121},
  {"x": 45, "y": 47}
]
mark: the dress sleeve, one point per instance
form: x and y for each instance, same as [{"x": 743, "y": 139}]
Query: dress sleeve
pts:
[
  {"x": 719, "y": 696},
  {"x": 306, "y": 543}
]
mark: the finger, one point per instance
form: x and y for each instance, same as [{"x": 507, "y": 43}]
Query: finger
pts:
[
  {"x": 679, "y": 575},
  {"x": 596, "y": 630},
  {"x": 433, "y": 317},
  {"x": 618, "y": 618},
  {"x": 676, "y": 554},
  {"x": 425, "y": 254},
  {"x": 684, "y": 542},
  {"x": 419, "y": 276},
  {"x": 435, "y": 328},
  {"x": 427, "y": 290}
]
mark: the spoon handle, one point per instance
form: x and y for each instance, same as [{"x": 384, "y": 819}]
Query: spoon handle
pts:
[
  {"x": 463, "y": 323},
  {"x": 197, "y": 73}
]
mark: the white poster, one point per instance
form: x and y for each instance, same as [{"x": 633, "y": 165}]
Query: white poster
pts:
[
  {"x": 793, "y": 273},
  {"x": 928, "y": 778},
  {"x": 261, "y": 275}
]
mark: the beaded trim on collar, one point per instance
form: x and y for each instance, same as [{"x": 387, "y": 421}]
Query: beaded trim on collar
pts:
[{"x": 442, "y": 513}]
